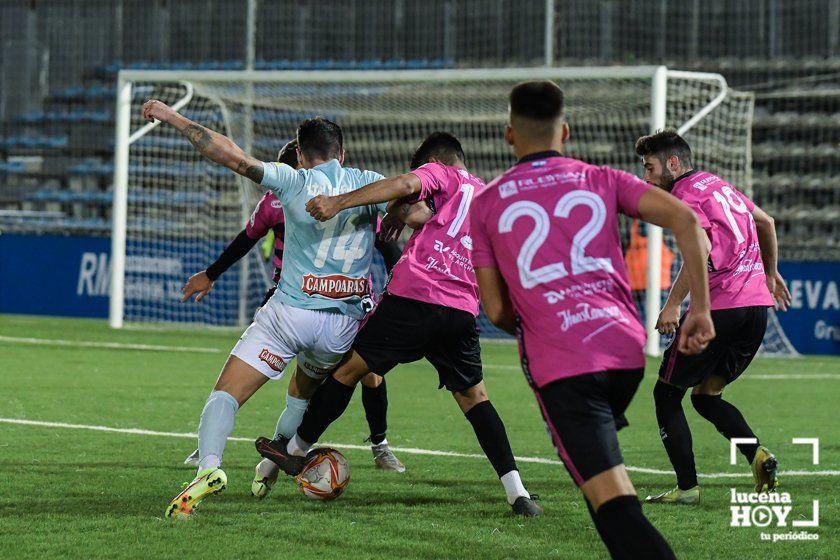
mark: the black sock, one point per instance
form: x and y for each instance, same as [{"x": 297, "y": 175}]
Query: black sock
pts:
[
  {"x": 375, "y": 401},
  {"x": 492, "y": 437},
  {"x": 727, "y": 419},
  {"x": 598, "y": 528},
  {"x": 327, "y": 404},
  {"x": 626, "y": 531},
  {"x": 673, "y": 429}
]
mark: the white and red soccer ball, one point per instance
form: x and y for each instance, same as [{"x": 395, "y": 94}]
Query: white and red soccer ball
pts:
[{"x": 325, "y": 475}]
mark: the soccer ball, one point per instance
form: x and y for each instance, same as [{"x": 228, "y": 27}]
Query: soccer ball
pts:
[{"x": 325, "y": 475}]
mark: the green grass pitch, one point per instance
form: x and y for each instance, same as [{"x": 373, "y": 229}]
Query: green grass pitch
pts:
[{"x": 79, "y": 493}]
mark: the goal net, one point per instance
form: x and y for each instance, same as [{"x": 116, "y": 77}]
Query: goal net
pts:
[{"x": 174, "y": 212}]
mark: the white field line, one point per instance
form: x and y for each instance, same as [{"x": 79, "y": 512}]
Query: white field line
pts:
[
  {"x": 210, "y": 350},
  {"x": 109, "y": 345},
  {"x": 408, "y": 450}
]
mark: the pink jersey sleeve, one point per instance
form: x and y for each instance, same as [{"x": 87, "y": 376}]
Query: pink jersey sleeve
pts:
[
  {"x": 432, "y": 179},
  {"x": 482, "y": 254},
  {"x": 629, "y": 189},
  {"x": 267, "y": 214}
]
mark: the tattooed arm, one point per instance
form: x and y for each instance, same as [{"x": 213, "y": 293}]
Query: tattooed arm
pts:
[{"x": 212, "y": 145}]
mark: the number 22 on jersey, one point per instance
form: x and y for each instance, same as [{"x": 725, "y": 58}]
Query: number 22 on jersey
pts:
[{"x": 580, "y": 262}]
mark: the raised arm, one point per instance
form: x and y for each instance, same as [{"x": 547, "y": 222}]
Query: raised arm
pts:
[
  {"x": 765, "y": 227},
  {"x": 660, "y": 208},
  {"x": 212, "y": 145},
  {"x": 323, "y": 208}
]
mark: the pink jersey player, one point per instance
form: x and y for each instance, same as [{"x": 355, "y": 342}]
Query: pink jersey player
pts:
[
  {"x": 549, "y": 224},
  {"x": 736, "y": 272},
  {"x": 268, "y": 216},
  {"x": 428, "y": 311},
  {"x": 436, "y": 264}
]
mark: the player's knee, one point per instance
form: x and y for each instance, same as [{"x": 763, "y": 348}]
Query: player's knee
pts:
[
  {"x": 372, "y": 381},
  {"x": 468, "y": 398},
  {"x": 703, "y": 402},
  {"x": 348, "y": 377},
  {"x": 712, "y": 386}
]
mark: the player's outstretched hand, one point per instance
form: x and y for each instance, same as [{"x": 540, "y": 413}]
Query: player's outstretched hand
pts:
[
  {"x": 322, "y": 208},
  {"x": 669, "y": 319},
  {"x": 198, "y": 283},
  {"x": 391, "y": 227},
  {"x": 696, "y": 332},
  {"x": 779, "y": 290},
  {"x": 154, "y": 109}
]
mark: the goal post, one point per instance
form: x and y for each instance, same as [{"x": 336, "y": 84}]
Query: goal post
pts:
[{"x": 174, "y": 211}]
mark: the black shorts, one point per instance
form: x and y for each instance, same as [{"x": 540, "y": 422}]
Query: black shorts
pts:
[
  {"x": 403, "y": 330},
  {"x": 738, "y": 335},
  {"x": 583, "y": 414}
]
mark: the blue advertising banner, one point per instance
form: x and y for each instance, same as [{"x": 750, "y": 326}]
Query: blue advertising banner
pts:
[
  {"x": 812, "y": 324},
  {"x": 70, "y": 276},
  {"x": 54, "y": 275}
]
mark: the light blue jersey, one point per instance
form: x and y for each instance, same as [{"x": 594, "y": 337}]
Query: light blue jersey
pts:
[{"x": 325, "y": 265}]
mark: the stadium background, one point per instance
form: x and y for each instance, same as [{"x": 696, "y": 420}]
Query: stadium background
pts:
[
  {"x": 59, "y": 61},
  {"x": 95, "y": 422}
]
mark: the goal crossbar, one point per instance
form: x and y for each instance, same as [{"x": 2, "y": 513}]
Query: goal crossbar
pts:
[{"x": 658, "y": 76}]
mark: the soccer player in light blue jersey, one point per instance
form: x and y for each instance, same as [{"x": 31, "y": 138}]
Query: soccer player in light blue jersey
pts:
[{"x": 324, "y": 290}]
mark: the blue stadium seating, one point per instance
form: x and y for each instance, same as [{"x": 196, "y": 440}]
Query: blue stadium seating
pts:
[
  {"x": 33, "y": 142},
  {"x": 109, "y": 70}
]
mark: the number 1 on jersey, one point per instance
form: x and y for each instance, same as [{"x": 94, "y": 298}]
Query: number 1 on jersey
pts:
[
  {"x": 467, "y": 190},
  {"x": 728, "y": 202}
]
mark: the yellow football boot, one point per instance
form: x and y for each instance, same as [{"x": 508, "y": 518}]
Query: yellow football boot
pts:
[
  {"x": 676, "y": 496},
  {"x": 764, "y": 467},
  {"x": 207, "y": 482}
]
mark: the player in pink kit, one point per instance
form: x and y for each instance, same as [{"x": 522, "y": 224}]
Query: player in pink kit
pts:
[
  {"x": 428, "y": 311},
  {"x": 743, "y": 283},
  {"x": 550, "y": 270}
]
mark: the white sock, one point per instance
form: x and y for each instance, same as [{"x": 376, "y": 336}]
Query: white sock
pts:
[
  {"x": 513, "y": 486},
  {"x": 383, "y": 442},
  {"x": 291, "y": 417},
  {"x": 298, "y": 447},
  {"x": 268, "y": 468},
  {"x": 215, "y": 427},
  {"x": 209, "y": 462}
]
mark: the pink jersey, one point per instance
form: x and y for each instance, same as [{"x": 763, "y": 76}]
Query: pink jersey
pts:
[
  {"x": 436, "y": 263},
  {"x": 549, "y": 225},
  {"x": 268, "y": 215},
  {"x": 736, "y": 273}
]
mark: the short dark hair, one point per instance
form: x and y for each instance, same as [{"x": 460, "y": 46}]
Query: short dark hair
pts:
[
  {"x": 441, "y": 145},
  {"x": 538, "y": 101},
  {"x": 663, "y": 145},
  {"x": 320, "y": 137},
  {"x": 288, "y": 154}
]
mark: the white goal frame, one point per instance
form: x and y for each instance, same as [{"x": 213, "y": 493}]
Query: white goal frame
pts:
[{"x": 658, "y": 76}]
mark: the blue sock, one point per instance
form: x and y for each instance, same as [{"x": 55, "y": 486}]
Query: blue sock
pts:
[{"x": 215, "y": 427}]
